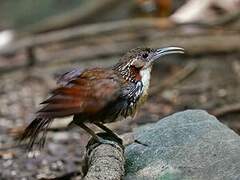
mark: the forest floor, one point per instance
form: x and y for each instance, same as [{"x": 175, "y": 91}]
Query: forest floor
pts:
[{"x": 209, "y": 82}]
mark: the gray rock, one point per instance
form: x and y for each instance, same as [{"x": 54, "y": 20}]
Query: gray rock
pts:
[{"x": 186, "y": 145}]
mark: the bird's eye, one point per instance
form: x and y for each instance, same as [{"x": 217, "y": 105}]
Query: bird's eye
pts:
[{"x": 145, "y": 55}]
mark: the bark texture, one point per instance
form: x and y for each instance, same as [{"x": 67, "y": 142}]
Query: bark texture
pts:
[{"x": 104, "y": 161}]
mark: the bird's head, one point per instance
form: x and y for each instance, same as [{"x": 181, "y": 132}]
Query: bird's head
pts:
[
  {"x": 137, "y": 62},
  {"x": 142, "y": 58}
]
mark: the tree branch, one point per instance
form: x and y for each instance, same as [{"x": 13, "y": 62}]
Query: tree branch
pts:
[{"x": 104, "y": 161}]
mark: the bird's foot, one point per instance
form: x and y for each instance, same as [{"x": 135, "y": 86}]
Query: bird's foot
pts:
[
  {"x": 106, "y": 141},
  {"x": 104, "y": 138}
]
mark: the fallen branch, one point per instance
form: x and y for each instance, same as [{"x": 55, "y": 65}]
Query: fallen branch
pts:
[
  {"x": 111, "y": 39},
  {"x": 78, "y": 32},
  {"x": 138, "y": 26},
  {"x": 226, "y": 20},
  {"x": 227, "y": 109},
  {"x": 104, "y": 161},
  {"x": 236, "y": 69},
  {"x": 193, "y": 44}
]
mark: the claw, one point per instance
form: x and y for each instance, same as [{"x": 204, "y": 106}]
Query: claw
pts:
[
  {"x": 104, "y": 141},
  {"x": 104, "y": 138},
  {"x": 139, "y": 142}
]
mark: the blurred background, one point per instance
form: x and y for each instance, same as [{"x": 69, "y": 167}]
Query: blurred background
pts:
[{"x": 40, "y": 40}]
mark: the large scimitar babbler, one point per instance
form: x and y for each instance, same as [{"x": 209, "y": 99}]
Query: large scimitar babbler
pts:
[{"x": 98, "y": 95}]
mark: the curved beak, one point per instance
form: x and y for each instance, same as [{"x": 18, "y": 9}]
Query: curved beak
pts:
[{"x": 168, "y": 50}]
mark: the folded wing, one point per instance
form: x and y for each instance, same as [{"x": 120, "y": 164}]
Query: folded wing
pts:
[{"x": 87, "y": 92}]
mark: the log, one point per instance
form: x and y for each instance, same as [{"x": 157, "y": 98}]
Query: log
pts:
[{"x": 226, "y": 109}]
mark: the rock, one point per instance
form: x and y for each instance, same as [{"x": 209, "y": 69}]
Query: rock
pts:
[{"x": 186, "y": 145}]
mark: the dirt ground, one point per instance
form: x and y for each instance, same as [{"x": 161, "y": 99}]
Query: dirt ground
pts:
[{"x": 206, "y": 82}]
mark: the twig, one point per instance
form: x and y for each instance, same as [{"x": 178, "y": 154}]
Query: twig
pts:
[
  {"x": 31, "y": 57},
  {"x": 226, "y": 109},
  {"x": 227, "y": 19},
  {"x": 236, "y": 69},
  {"x": 174, "y": 79}
]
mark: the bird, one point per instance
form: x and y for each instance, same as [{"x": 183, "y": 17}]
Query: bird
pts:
[{"x": 97, "y": 95}]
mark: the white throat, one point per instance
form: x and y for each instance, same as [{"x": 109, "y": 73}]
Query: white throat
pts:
[{"x": 145, "y": 75}]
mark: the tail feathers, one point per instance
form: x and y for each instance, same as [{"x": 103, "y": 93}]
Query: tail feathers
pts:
[{"x": 35, "y": 133}]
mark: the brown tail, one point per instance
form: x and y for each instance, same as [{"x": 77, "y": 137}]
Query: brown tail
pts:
[{"x": 35, "y": 133}]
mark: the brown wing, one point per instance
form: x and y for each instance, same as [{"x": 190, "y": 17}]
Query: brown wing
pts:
[
  {"x": 65, "y": 78},
  {"x": 89, "y": 92}
]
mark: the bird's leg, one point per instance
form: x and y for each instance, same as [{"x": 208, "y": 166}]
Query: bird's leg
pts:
[
  {"x": 96, "y": 138},
  {"x": 88, "y": 130},
  {"x": 109, "y": 131}
]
